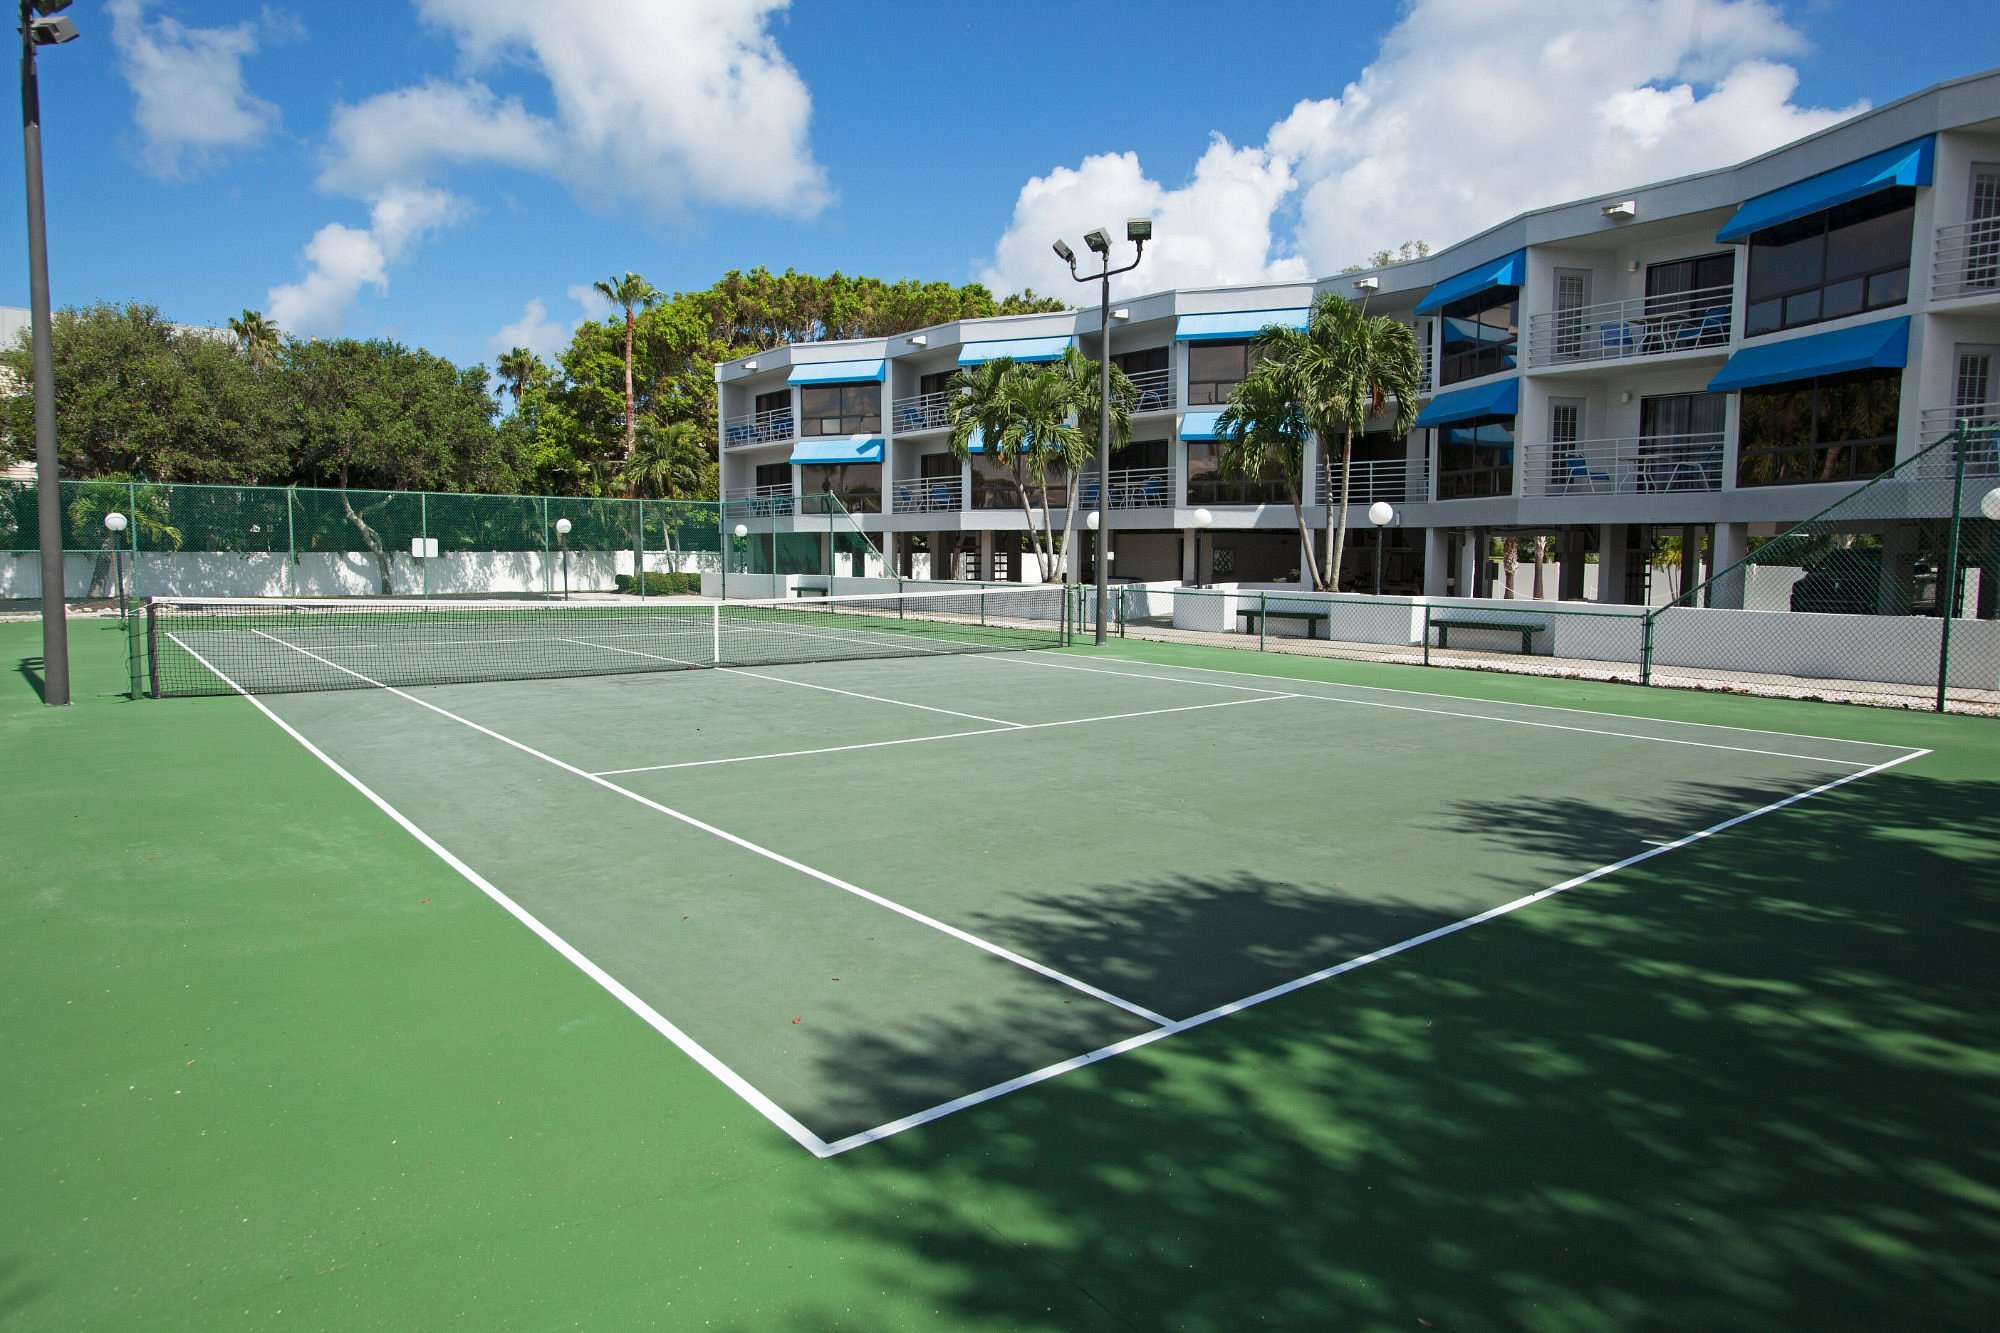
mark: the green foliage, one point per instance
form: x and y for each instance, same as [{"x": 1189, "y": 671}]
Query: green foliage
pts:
[{"x": 661, "y": 584}]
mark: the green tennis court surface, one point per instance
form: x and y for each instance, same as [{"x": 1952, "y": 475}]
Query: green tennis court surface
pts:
[{"x": 1120, "y": 989}]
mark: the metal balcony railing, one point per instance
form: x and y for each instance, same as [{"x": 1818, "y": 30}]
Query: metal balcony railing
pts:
[
  {"x": 1982, "y": 448},
  {"x": 761, "y": 500},
  {"x": 922, "y": 411},
  {"x": 928, "y": 495},
  {"x": 1626, "y": 330},
  {"x": 1648, "y": 465},
  {"x": 1152, "y": 390},
  {"x": 1391, "y": 479},
  {"x": 1131, "y": 488},
  {"x": 1967, "y": 261},
  {"x": 1426, "y": 380},
  {"x": 758, "y": 428}
]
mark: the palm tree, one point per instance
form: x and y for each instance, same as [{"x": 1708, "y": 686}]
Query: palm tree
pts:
[
  {"x": 1262, "y": 430},
  {"x": 671, "y": 460},
  {"x": 634, "y": 293},
  {"x": 258, "y": 337},
  {"x": 1043, "y": 432},
  {"x": 1342, "y": 369},
  {"x": 151, "y": 525},
  {"x": 982, "y": 403},
  {"x": 518, "y": 369},
  {"x": 1080, "y": 375}
]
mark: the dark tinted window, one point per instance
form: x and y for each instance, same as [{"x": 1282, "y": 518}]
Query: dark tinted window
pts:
[
  {"x": 841, "y": 409},
  {"x": 778, "y": 400},
  {"x": 774, "y": 475},
  {"x": 1476, "y": 458},
  {"x": 1214, "y": 368},
  {"x": 1479, "y": 335},
  {"x": 1835, "y": 429},
  {"x": 858, "y": 486},
  {"x": 1838, "y": 262}
]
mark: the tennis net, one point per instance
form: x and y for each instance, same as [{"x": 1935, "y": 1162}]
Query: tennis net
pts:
[{"x": 194, "y": 646}]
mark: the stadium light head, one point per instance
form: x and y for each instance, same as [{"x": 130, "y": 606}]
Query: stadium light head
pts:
[
  {"x": 1064, "y": 253},
  {"x": 114, "y": 521},
  {"x": 1099, "y": 241},
  {"x": 52, "y": 32},
  {"x": 1139, "y": 229}
]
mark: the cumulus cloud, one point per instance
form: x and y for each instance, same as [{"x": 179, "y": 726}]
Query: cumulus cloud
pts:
[
  {"x": 190, "y": 102},
  {"x": 545, "y": 335},
  {"x": 1471, "y": 112},
  {"x": 341, "y": 260},
  {"x": 659, "y": 106}
]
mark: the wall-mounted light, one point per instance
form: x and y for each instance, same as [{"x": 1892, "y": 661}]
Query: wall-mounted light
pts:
[
  {"x": 1631, "y": 266},
  {"x": 1121, "y": 313},
  {"x": 1625, "y": 396},
  {"x": 1624, "y": 208},
  {"x": 749, "y": 365},
  {"x": 918, "y": 340},
  {"x": 1367, "y": 284}
]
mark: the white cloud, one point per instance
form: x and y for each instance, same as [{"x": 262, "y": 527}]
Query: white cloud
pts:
[
  {"x": 596, "y": 305},
  {"x": 658, "y": 106},
  {"x": 545, "y": 336},
  {"x": 1472, "y": 111},
  {"x": 190, "y": 100},
  {"x": 341, "y": 260}
]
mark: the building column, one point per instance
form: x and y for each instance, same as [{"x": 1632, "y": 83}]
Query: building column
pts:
[
  {"x": 983, "y": 567},
  {"x": 1691, "y": 539},
  {"x": 1190, "y": 555},
  {"x": 1611, "y": 562},
  {"x": 1732, "y": 543},
  {"x": 1471, "y": 556},
  {"x": 1437, "y": 560},
  {"x": 1570, "y": 550},
  {"x": 1897, "y": 576}
]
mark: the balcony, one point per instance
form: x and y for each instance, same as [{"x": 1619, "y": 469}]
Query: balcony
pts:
[
  {"x": 1391, "y": 479},
  {"x": 1628, "y": 330},
  {"x": 1652, "y": 465},
  {"x": 1967, "y": 261},
  {"x": 1152, "y": 391},
  {"x": 920, "y": 412},
  {"x": 760, "y": 501},
  {"x": 1982, "y": 452},
  {"x": 1426, "y": 382},
  {"x": 1131, "y": 488},
  {"x": 771, "y": 427},
  {"x": 928, "y": 495}
]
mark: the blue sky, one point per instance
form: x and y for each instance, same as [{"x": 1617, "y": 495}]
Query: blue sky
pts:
[{"x": 452, "y": 173}]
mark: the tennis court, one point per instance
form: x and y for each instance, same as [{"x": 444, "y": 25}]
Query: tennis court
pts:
[{"x": 801, "y": 873}]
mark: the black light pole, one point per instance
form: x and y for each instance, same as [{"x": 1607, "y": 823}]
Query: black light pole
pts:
[
  {"x": 37, "y": 29},
  {"x": 1381, "y": 514},
  {"x": 562, "y": 540},
  {"x": 1139, "y": 231},
  {"x": 114, "y": 523}
]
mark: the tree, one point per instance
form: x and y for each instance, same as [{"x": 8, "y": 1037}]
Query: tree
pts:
[
  {"x": 1342, "y": 369},
  {"x": 1080, "y": 374},
  {"x": 980, "y": 404},
  {"x": 148, "y": 518},
  {"x": 672, "y": 462},
  {"x": 1042, "y": 432},
  {"x": 633, "y": 293},
  {"x": 258, "y": 338},
  {"x": 1262, "y": 430},
  {"x": 519, "y": 368}
]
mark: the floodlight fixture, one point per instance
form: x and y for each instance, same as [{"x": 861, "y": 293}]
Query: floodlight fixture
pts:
[
  {"x": 1064, "y": 253},
  {"x": 1367, "y": 284},
  {"x": 51, "y": 32},
  {"x": 1099, "y": 241},
  {"x": 1139, "y": 229}
]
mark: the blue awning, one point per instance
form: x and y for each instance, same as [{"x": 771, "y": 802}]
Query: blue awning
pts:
[
  {"x": 977, "y": 444},
  {"x": 1906, "y": 164},
  {"x": 1199, "y": 425},
  {"x": 1237, "y": 324},
  {"x": 839, "y": 449},
  {"x": 836, "y": 372},
  {"x": 1884, "y": 344},
  {"x": 1021, "y": 349},
  {"x": 1499, "y": 399},
  {"x": 1506, "y": 271}
]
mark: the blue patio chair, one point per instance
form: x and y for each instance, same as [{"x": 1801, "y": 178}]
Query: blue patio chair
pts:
[
  {"x": 1617, "y": 339},
  {"x": 1578, "y": 473},
  {"x": 1708, "y": 331}
]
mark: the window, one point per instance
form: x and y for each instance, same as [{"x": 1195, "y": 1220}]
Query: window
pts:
[
  {"x": 778, "y": 400},
  {"x": 1685, "y": 285},
  {"x": 938, "y": 465},
  {"x": 1217, "y": 367},
  {"x": 1151, "y": 375},
  {"x": 774, "y": 478},
  {"x": 841, "y": 409},
  {"x": 1207, "y": 486},
  {"x": 1381, "y": 462},
  {"x": 858, "y": 486},
  {"x": 936, "y": 382},
  {"x": 1476, "y": 458},
  {"x": 1841, "y": 428},
  {"x": 1481, "y": 335},
  {"x": 1843, "y": 261},
  {"x": 1680, "y": 441}
]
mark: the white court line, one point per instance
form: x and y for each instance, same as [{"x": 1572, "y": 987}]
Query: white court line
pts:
[
  {"x": 735, "y": 1082},
  {"x": 947, "y": 736},
  {"x": 1000, "y": 722},
  {"x": 1476, "y": 717},
  {"x": 1504, "y": 703},
  {"x": 972, "y": 1099},
  {"x": 963, "y": 936}
]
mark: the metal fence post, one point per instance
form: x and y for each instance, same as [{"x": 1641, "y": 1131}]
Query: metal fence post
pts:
[
  {"x": 424, "y": 536},
  {"x": 1948, "y": 588},
  {"x": 1263, "y": 618},
  {"x": 291, "y": 543},
  {"x": 1646, "y": 647},
  {"x": 132, "y": 512},
  {"x": 1427, "y": 633}
]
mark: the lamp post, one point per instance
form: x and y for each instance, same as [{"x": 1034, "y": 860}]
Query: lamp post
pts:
[
  {"x": 1202, "y": 518},
  {"x": 114, "y": 523},
  {"x": 1138, "y": 231},
  {"x": 39, "y": 29},
  {"x": 1381, "y": 514},
  {"x": 562, "y": 542}
]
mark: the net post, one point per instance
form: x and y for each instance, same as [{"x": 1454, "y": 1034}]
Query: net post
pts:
[
  {"x": 981, "y": 594},
  {"x": 715, "y": 636},
  {"x": 132, "y": 670},
  {"x": 1948, "y": 587},
  {"x": 1263, "y": 618},
  {"x": 153, "y": 645}
]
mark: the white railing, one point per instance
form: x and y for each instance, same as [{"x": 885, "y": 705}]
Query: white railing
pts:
[
  {"x": 1425, "y": 356},
  {"x": 1131, "y": 488},
  {"x": 922, "y": 411},
  {"x": 1391, "y": 479},
  {"x": 1982, "y": 449},
  {"x": 1152, "y": 390},
  {"x": 759, "y": 427},
  {"x": 928, "y": 495},
  {"x": 1967, "y": 261},
  {"x": 760, "y": 500},
  {"x": 1623, "y": 330},
  {"x": 1646, "y": 466}
]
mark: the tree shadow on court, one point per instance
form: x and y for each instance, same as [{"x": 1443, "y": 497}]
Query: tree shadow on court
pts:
[{"x": 1751, "y": 1083}]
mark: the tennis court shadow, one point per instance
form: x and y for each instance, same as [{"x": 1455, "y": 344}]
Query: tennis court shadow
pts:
[{"x": 1749, "y": 1084}]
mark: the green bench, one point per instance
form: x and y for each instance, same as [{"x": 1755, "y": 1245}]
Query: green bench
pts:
[
  {"x": 1527, "y": 629},
  {"x": 1251, "y": 617}
]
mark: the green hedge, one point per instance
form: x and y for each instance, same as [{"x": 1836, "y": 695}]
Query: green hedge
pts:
[{"x": 662, "y": 585}]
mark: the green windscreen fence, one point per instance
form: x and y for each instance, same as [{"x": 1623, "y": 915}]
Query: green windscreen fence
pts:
[{"x": 811, "y": 535}]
